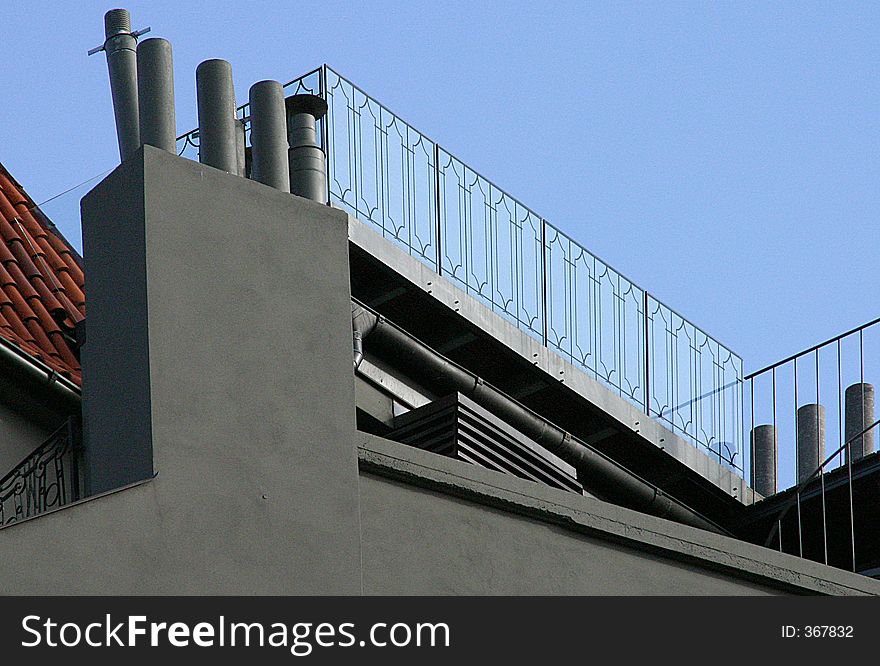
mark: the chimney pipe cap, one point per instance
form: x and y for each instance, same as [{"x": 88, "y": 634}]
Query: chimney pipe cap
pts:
[
  {"x": 314, "y": 105},
  {"x": 117, "y": 22}
]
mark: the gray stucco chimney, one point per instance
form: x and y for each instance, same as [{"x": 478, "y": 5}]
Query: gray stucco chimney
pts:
[{"x": 219, "y": 360}]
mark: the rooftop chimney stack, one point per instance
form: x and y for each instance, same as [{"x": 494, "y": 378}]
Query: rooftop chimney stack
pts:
[
  {"x": 308, "y": 166},
  {"x": 218, "y": 127},
  {"x": 240, "y": 150},
  {"x": 119, "y": 46},
  {"x": 765, "y": 457},
  {"x": 155, "y": 82},
  {"x": 269, "y": 135},
  {"x": 859, "y": 414},
  {"x": 810, "y": 439}
]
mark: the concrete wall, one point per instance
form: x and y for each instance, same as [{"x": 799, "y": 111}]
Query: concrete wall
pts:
[
  {"x": 219, "y": 358},
  {"x": 29, "y": 414},
  {"x": 434, "y": 525},
  {"x": 418, "y": 541},
  {"x": 19, "y": 435},
  {"x": 429, "y": 525}
]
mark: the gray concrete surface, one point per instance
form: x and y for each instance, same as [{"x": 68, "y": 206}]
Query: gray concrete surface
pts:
[
  {"x": 434, "y": 525},
  {"x": 219, "y": 357},
  {"x": 429, "y": 525},
  {"x": 19, "y": 436}
]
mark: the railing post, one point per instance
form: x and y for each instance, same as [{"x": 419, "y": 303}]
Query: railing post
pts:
[
  {"x": 545, "y": 279},
  {"x": 74, "y": 433},
  {"x": 437, "y": 207},
  {"x": 647, "y": 353},
  {"x": 325, "y": 132}
]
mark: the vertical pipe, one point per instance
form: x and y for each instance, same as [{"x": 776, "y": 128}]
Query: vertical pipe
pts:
[
  {"x": 859, "y": 415},
  {"x": 764, "y": 447},
  {"x": 810, "y": 439},
  {"x": 240, "y": 156},
  {"x": 217, "y": 122},
  {"x": 155, "y": 79},
  {"x": 269, "y": 135},
  {"x": 306, "y": 160},
  {"x": 119, "y": 47}
]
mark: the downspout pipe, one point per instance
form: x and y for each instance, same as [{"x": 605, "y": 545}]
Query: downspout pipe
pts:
[{"x": 599, "y": 474}]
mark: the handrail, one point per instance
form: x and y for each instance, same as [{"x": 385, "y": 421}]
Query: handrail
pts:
[
  {"x": 421, "y": 196},
  {"x": 777, "y": 525},
  {"x": 788, "y": 359}
]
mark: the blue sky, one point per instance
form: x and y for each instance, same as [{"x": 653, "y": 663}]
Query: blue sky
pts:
[{"x": 722, "y": 155}]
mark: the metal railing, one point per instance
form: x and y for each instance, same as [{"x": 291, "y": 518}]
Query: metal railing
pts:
[
  {"x": 48, "y": 478},
  {"x": 421, "y": 197},
  {"x": 826, "y": 515},
  {"x": 825, "y": 389}
]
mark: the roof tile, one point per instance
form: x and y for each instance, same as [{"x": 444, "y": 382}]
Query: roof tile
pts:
[{"x": 41, "y": 282}]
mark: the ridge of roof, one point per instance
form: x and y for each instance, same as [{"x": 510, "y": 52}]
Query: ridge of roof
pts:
[{"x": 41, "y": 282}]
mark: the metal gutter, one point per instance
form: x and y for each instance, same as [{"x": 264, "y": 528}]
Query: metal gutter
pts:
[{"x": 40, "y": 376}]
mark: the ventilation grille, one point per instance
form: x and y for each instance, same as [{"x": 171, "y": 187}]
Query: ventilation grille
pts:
[{"x": 456, "y": 427}]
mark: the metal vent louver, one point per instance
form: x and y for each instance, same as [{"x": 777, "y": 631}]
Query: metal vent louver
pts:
[{"x": 457, "y": 427}]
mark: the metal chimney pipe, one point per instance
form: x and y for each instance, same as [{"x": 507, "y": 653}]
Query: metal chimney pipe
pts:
[
  {"x": 765, "y": 452},
  {"x": 217, "y": 122},
  {"x": 155, "y": 77},
  {"x": 859, "y": 410},
  {"x": 269, "y": 135},
  {"x": 119, "y": 46},
  {"x": 240, "y": 157},
  {"x": 308, "y": 165},
  {"x": 810, "y": 439}
]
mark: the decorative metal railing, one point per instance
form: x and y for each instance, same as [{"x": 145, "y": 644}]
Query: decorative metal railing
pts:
[
  {"x": 421, "y": 197},
  {"x": 48, "y": 478}
]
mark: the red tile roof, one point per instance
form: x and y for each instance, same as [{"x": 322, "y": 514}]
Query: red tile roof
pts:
[{"x": 41, "y": 282}]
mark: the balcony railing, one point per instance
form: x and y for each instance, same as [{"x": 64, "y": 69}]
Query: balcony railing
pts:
[
  {"x": 421, "y": 197},
  {"x": 823, "y": 393},
  {"x": 824, "y": 520},
  {"x": 48, "y": 478}
]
